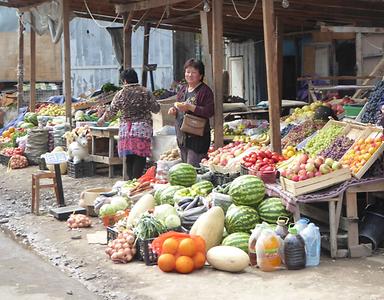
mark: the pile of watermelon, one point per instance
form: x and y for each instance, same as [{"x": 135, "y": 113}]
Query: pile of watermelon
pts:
[{"x": 250, "y": 207}]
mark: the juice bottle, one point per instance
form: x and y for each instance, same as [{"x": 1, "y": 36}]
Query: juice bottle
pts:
[
  {"x": 294, "y": 250},
  {"x": 268, "y": 251},
  {"x": 252, "y": 243}
]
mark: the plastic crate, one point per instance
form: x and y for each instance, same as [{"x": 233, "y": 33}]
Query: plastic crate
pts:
[
  {"x": 80, "y": 170},
  {"x": 266, "y": 176},
  {"x": 112, "y": 233},
  {"x": 4, "y": 159},
  {"x": 353, "y": 110},
  {"x": 145, "y": 252}
]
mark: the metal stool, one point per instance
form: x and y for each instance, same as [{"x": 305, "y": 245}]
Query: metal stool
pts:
[{"x": 36, "y": 186}]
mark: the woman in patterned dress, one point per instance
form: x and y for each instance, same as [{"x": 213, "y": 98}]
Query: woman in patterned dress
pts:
[
  {"x": 195, "y": 98},
  {"x": 135, "y": 133}
]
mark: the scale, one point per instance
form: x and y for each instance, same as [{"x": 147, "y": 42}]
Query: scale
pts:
[{"x": 62, "y": 212}]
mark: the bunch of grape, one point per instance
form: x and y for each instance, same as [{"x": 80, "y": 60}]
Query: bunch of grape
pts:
[
  {"x": 338, "y": 148},
  {"x": 298, "y": 133},
  {"x": 372, "y": 113},
  {"x": 323, "y": 139}
]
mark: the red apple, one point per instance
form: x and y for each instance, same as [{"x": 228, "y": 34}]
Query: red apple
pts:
[
  {"x": 311, "y": 174},
  {"x": 295, "y": 178},
  {"x": 318, "y": 173},
  {"x": 302, "y": 177},
  {"x": 303, "y": 158}
]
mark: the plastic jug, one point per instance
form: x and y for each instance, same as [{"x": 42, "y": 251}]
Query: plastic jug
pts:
[
  {"x": 301, "y": 224},
  {"x": 268, "y": 251},
  {"x": 294, "y": 250},
  {"x": 282, "y": 228},
  {"x": 252, "y": 242},
  {"x": 312, "y": 239}
]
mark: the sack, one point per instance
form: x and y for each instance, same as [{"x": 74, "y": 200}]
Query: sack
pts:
[{"x": 193, "y": 125}]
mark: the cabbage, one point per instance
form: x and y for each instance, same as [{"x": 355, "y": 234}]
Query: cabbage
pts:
[
  {"x": 172, "y": 221},
  {"x": 119, "y": 203},
  {"x": 163, "y": 211},
  {"x": 107, "y": 210}
]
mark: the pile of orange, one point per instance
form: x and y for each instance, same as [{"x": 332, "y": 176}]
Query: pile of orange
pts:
[
  {"x": 182, "y": 255},
  {"x": 358, "y": 155}
]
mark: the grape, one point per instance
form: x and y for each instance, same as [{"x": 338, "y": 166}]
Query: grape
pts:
[
  {"x": 372, "y": 112},
  {"x": 338, "y": 148},
  {"x": 298, "y": 133},
  {"x": 323, "y": 139}
]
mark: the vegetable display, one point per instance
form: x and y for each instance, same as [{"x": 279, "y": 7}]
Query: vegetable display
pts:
[
  {"x": 169, "y": 155},
  {"x": 241, "y": 219},
  {"x": 270, "y": 209},
  {"x": 148, "y": 227},
  {"x": 238, "y": 239},
  {"x": 18, "y": 162}
]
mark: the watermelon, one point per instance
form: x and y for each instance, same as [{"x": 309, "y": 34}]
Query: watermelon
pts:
[
  {"x": 238, "y": 239},
  {"x": 182, "y": 174},
  {"x": 203, "y": 187},
  {"x": 166, "y": 196},
  {"x": 271, "y": 209},
  {"x": 247, "y": 190},
  {"x": 158, "y": 193},
  {"x": 241, "y": 218}
]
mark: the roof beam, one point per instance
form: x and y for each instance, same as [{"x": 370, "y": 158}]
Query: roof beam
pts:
[
  {"x": 143, "y": 5},
  {"x": 352, "y": 29}
]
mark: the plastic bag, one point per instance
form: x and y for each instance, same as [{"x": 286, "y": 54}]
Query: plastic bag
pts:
[{"x": 163, "y": 167}]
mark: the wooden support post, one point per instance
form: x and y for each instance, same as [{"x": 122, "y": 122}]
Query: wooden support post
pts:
[
  {"x": 67, "y": 65},
  {"x": 20, "y": 66},
  {"x": 32, "y": 76},
  {"x": 272, "y": 75},
  {"x": 218, "y": 52},
  {"x": 144, "y": 72},
  {"x": 359, "y": 56},
  {"x": 353, "y": 219},
  {"x": 205, "y": 42},
  {"x": 127, "y": 38},
  {"x": 280, "y": 56}
]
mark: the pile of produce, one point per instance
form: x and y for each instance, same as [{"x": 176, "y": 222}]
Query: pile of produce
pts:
[
  {"x": 78, "y": 221},
  {"x": 300, "y": 132},
  {"x": 122, "y": 249},
  {"x": 338, "y": 148},
  {"x": 361, "y": 152},
  {"x": 163, "y": 94},
  {"x": 262, "y": 160},
  {"x": 304, "y": 113},
  {"x": 30, "y": 120},
  {"x": 10, "y": 151},
  {"x": 323, "y": 139},
  {"x": 53, "y": 110},
  {"x": 109, "y": 87},
  {"x": 306, "y": 168},
  {"x": 372, "y": 113},
  {"x": 190, "y": 209},
  {"x": 167, "y": 214},
  {"x": 117, "y": 205},
  {"x": 18, "y": 162},
  {"x": 148, "y": 227},
  {"x": 170, "y": 155},
  {"x": 289, "y": 152}
]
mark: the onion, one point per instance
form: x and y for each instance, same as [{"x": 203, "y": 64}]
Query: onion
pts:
[
  {"x": 128, "y": 257},
  {"x": 114, "y": 256},
  {"x": 133, "y": 250},
  {"x": 127, "y": 251},
  {"x": 117, "y": 246},
  {"x": 130, "y": 239},
  {"x": 125, "y": 245}
]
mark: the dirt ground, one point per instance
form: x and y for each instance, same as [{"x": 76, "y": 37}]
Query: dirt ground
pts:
[{"x": 51, "y": 239}]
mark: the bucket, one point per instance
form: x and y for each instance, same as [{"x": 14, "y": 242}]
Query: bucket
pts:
[{"x": 372, "y": 229}]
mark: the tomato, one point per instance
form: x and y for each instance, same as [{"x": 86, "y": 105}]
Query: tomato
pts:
[
  {"x": 268, "y": 153},
  {"x": 261, "y": 154},
  {"x": 275, "y": 158},
  {"x": 247, "y": 164}
]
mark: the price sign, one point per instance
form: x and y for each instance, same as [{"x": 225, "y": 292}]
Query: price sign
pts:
[{"x": 55, "y": 158}]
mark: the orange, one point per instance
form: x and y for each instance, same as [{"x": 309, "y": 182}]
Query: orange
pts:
[
  {"x": 170, "y": 246},
  {"x": 166, "y": 262},
  {"x": 199, "y": 260},
  {"x": 184, "y": 264},
  {"x": 187, "y": 247},
  {"x": 199, "y": 243}
]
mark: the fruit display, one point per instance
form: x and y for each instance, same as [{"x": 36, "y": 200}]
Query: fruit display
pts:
[
  {"x": 363, "y": 149},
  {"x": 372, "y": 111},
  {"x": 182, "y": 174},
  {"x": 338, "y": 148},
  {"x": 163, "y": 94},
  {"x": 284, "y": 131},
  {"x": 270, "y": 209},
  {"x": 122, "y": 249},
  {"x": 300, "y": 132},
  {"x": 241, "y": 218},
  {"x": 323, "y": 139},
  {"x": 170, "y": 155},
  {"x": 78, "y": 221},
  {"x": 262, "y": 160},
  {"x": 306, "y": 112},
  {"x": 307, "y": 167},
  {"x": 247, "y": 190},
  {"x": 260, "y": 139},
  {"x": 52, "y": 110},
  {"x": 238, "y": 240}
]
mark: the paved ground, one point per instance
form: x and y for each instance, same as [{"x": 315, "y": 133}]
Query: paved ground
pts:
[
  {"x": 51, "y": 239},
  {"x": 26, "y": 276}
]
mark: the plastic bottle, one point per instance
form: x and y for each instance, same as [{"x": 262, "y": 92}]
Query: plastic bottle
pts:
[
  {"x": 252, "y": 242},
  {"x": 294, "y": 250},
  {"x": 312, "y": 239},
  {"x": 281, "y": 228},
  {"x": 268, "y": 251},
  {"x": 301, "y": 224}
]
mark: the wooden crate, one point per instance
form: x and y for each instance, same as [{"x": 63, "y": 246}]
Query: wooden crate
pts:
[
  {"x": 372, "y": 132},
  {"x": 316, "y": 183}
]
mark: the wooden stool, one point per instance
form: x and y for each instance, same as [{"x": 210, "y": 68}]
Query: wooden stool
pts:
[{"x": 36, "y": 186}]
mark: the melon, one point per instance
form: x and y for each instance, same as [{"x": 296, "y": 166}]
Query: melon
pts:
[
  {"x": 238, "y": 239},
  {"x": 182, "y": 174},
  {"x": 271, "y": 209},
  {"x": 241, "y": 218},
  {"x": 166, "y": 196},
  {"x": 247, "y": 190}
]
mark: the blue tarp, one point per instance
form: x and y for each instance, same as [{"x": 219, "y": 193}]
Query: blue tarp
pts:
[{"x": 14, "y": 122}]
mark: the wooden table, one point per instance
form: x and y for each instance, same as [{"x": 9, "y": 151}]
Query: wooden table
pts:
[{"x": 107, "y": 133}]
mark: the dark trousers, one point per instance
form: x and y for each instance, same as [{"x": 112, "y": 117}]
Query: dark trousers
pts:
[
  {"x": 135, "y": 166},
  {"x": 191, "y": 157}
]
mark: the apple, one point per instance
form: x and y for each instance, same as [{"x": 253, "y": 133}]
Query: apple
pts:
[
  {"x": 284, "y": 173},
  {"x": 303, "y": 158},
  {"x": 302, "y": 173},
  {"x": 329, "y": 162},
  {"x": 310, "y": 167},
  {"x": 318, "y": 173},
  {"x": 216, "y": 160},
  {"x": 310, "y": 161},
  {"x": 296, "y": 169},
  {"x": 295, "y": 178},
  {"x": 302, "y": 166},
  {"x": 303, "y": 177},
  {"x": 336, "y": 165},
  {"x": 324, "y": 169},
  {"x": 319, "y": 161},
  {"x": 311, "y": 174}
]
